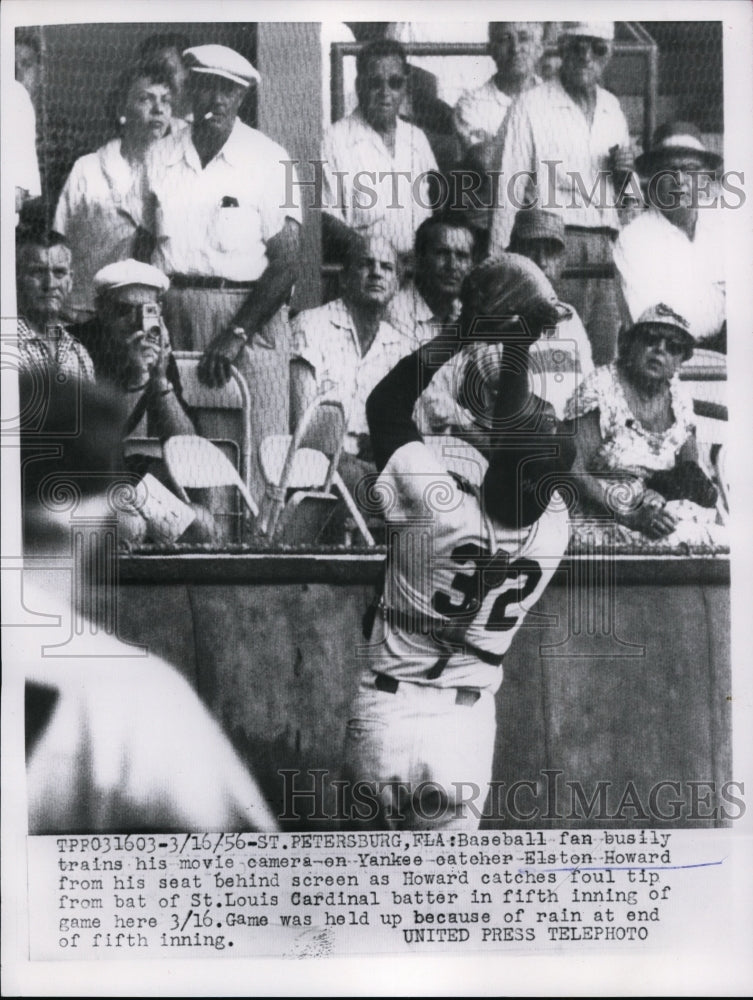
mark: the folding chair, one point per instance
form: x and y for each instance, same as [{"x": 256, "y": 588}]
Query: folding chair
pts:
[
  {"x": 306, "y": 463},
  {"x": 234, "y": 395},
  {"x": 195, "y": 463}
]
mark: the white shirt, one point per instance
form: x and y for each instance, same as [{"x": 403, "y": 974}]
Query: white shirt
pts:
[
  {"x": 545, "y": 124},
  {"x": 23, "y": 128},
  {"x": 359, "y": 197},
  {"x": 410, "y": 312},
  {"x": 129, "y": 745},
  {"x": 479, "y": 113},
  {"x": 196, "y": 234},
  {"x": 443, "y": 536},
  {"x": 326, "y": 338},
  {"x": 559, "y": 361},
  {"x": 657, "y": 262},
  {"x": 98, "y": 211}
]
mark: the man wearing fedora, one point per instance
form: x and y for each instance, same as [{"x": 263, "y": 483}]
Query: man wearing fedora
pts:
[
  {"x": 566, "y": 147},
  {"x": 673, "y": 252},
  {"x": 214, "y": 206}
]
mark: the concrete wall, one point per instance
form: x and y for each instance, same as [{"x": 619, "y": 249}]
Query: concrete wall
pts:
[{"x": 279, "y": 663}]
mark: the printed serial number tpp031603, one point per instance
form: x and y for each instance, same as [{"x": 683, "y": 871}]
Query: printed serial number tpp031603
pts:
[{"x": 172, "y": 844}]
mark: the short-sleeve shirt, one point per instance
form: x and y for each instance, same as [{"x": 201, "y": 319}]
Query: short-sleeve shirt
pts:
[
  {"x": 326, "y": 338},
  {"x": 657, "y": 262},
  {"x": 547, "y": 141},
  {"x": 626, "y": 443},
  {"x": 216, "y": 221},
  {"x": 370, "y": 191},
  {"x": 61, "y": 353},
  {"x": 479, "y": 113},
  {"x": 99, "y": 211},
  {"x": 455, "y": 575}
]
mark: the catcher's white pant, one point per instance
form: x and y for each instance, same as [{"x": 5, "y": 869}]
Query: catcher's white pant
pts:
[{"x": 422, "y": 753}]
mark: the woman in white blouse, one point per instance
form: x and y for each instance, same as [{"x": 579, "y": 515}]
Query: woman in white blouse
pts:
[{"x": 99, "y": 210}]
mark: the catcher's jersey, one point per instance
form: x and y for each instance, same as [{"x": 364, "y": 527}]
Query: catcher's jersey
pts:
[{"x": 457, "y": 585}]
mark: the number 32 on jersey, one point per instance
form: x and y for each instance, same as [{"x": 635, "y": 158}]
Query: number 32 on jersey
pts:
[{"x": 480, "y": 575}]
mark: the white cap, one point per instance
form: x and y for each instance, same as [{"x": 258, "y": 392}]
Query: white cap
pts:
[
  {"x": 587, "y": 29},
  {"x": 123, "y": 273},
  {"x": 663, "y": 315},
  {"x": 219, "y": 60}
]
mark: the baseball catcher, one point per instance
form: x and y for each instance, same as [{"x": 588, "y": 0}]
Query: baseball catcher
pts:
[{"x": 475, "y": 534}]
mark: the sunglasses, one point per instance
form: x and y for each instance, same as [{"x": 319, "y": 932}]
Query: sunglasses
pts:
[
  {"x": 395, "y": 82},
  {"x": 672, "y": 345},
  {"x": 597, "y": 45}
]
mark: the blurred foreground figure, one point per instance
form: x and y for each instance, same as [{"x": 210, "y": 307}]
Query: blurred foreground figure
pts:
[{"x": 116, "y": 742}]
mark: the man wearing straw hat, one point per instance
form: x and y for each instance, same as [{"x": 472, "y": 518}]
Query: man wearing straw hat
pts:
[{"x": 674, "y": 251}]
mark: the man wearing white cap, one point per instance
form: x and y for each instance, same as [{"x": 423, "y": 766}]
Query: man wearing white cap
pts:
[
  {"x": 674, "y": 251},
  {"x": 214, "y": 206},
  {"x": 130, "y": 346},
  {"x": 566, "y": 146},
  {"x": 131, "y": 350}
]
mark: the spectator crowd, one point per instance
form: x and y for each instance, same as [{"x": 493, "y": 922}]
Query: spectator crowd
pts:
[{"x": 176, "y": 240}]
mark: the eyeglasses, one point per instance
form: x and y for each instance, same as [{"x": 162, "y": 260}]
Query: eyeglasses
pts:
[
  {"x": 395, "y": 82},
  {"x": 598, "y": 46}
]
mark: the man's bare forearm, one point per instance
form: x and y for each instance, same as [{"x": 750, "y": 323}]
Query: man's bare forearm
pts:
[{"x": 273, "y": 288}]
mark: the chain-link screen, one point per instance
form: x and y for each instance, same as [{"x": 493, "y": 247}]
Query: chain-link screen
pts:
[{"x": 244, "y": 228}]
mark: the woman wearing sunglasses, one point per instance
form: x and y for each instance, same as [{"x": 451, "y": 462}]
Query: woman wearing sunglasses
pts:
[{"x": 637, "y": 462}]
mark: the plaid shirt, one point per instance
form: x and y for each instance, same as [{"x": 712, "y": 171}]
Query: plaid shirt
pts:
[{"x": 59, "y": 350}]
